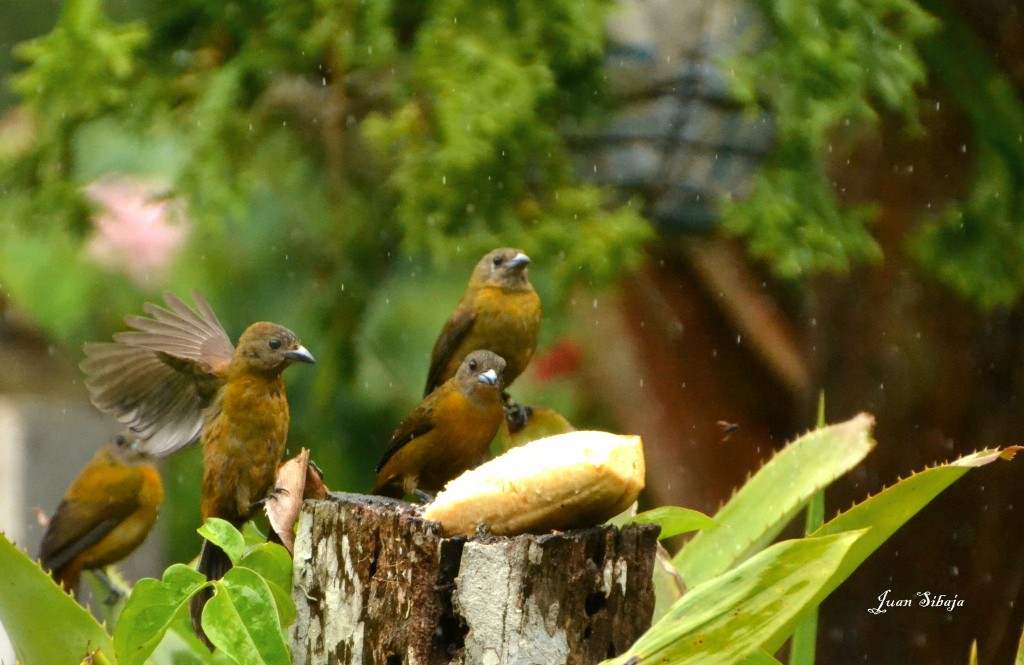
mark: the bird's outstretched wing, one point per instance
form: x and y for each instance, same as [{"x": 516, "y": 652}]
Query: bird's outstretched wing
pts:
[{"x": 158, "y": 378}]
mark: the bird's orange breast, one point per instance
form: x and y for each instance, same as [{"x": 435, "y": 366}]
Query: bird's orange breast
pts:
[
  {"x": 506, "y": 323},
  {"x": 243, "y": 443}
]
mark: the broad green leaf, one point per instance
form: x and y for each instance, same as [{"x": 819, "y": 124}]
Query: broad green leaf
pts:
[
  {"x": 730, "y": 618},
  {"x": 151, "y": 609},
  {"x": 773, "y": 496},
  {"x": 242, "y": 621},
  {"x": 674, "y": 520},
  {"x": 252, "y": 535},
  {"x": 44, "y": 624},
  {"x": 228, "y": 538},
  {"x": 1019, "y": 659},
  {"x": 285, "y": 604},
  {"x": 271, "y": 561}
]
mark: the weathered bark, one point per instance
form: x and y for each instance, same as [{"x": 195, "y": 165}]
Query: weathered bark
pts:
[{"x": 375, "y": 584}]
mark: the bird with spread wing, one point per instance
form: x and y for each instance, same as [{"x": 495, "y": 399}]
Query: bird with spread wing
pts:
[{"x": 175, "y": 378}]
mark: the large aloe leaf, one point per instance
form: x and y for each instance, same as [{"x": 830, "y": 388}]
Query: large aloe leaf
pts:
[
  {"x": 44, "y": 624},
  {"x": 728, "y": 619},
  {"x": 732, "y": 619},
  {"x": 773, "y": 496},
  {"x": 885, "y": 512}
]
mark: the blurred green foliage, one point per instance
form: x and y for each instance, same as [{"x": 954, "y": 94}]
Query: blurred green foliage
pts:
[
  {"x": 826, "y": 65},
  {"x": 976, "y": 245},
  {"x": 827, "y": 71},
  {"x": 336, "y": 159}
]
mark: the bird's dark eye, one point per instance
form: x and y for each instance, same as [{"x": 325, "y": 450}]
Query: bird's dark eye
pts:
[
  {"x": 498, "y": 260},
  {"x": 275, "y": 344},
  {"x": 472, "y": 365}
]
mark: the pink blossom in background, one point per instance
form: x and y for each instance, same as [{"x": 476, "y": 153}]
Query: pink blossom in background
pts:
[{"x": 138, "y": 229}]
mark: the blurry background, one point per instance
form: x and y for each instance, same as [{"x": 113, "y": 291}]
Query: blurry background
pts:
[{"x": 730, "y": 206}]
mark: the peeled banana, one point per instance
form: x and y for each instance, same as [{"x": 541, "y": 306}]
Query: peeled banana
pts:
[{"x": 559, "y": 482}]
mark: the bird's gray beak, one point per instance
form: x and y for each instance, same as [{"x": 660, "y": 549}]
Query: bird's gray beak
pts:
[
  {"x": 300, "y": 355},
  {"x": 520, "y": 260},
  {"x": 490, "y": 377}
]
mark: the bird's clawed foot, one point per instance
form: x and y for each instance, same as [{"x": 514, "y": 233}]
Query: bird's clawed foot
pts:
[
  {"x": 516, "y": 415},
  {"x": 261, "y": 504},
  {"x": 422, "y": 496},
  {"x": 114, "y": 593}
]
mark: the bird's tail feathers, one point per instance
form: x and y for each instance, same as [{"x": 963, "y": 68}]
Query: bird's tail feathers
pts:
[{"x": 214, "y": 563}]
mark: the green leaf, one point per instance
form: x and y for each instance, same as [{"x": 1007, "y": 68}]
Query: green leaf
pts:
[
  {"x": 270, "y": 561},
  {"x": 674, "y": 520},
  {"x": 151, "y": 609},
  {"x": 273, "y": 563},
  {"x": 805, "y": 638},
  {"x": 731, "y": 617},
  {"x": 1019, "y": 659},
  {"x": 776, "y": 493},
  {"x": 252, "y": 535},
  {"x": 241, "y": 620},
  {"x": 44, "y": 624},
  {"x": 223, "y": 534}
]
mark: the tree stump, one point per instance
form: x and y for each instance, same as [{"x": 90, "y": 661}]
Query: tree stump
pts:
[{"x": 374, "y": 584}]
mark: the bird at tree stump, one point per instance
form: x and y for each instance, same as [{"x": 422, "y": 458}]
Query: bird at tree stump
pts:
[
  {"x": 448, "y": 433},
  {"x": 175, "y": 378}
]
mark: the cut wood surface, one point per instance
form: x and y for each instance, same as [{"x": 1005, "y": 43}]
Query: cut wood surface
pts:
[{"x": 376, "y": 584}]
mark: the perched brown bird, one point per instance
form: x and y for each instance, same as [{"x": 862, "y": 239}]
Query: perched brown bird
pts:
[
  {"x": 107, "y": 511},
  {"x": 499, "y": 312},
  {"x": 447, "y": 433},
  {"x": 176, "y": 376}
]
